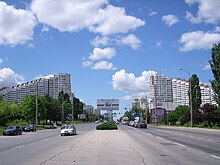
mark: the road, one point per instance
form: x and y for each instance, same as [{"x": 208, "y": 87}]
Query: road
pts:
[{"x": 128, "y": 145}]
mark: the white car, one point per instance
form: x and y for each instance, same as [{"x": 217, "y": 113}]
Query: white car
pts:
[{"x": 68, "y": 130}]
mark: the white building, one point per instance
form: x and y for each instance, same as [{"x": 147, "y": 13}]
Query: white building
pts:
[
  {"x": 207, "y": 94},
  {"x": 180, "y": 88},
  {"x": 44, "y": 86}
]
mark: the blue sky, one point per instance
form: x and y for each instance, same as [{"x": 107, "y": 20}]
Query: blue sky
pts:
[{"x": 110, "y": 47}]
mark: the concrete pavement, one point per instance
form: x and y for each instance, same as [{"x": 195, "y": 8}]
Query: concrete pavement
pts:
[{"x": 101, "y": 147}]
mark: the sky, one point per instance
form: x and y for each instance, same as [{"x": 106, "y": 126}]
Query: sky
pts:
[{"x": 110, "y": 47}]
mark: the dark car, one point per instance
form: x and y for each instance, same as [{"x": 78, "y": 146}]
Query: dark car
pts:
[
  {"x": 12, "y": 130},
  {"x": 142, "y": 124},
  {"x": 29, "y": 127}
]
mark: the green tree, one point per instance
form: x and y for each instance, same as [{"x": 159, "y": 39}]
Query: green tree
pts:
[
  {"x": 53, "y": 107},
  {"x": 215, "y": 67},
  {"x": 196, "y": 93},
  {"x": 178, "y": 114},
  {"x": 5, "y": 112},
  {"x": 28, "y": 107}
]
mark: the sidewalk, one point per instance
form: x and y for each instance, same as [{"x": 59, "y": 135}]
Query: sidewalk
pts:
[{"x": 101, "y": 147}]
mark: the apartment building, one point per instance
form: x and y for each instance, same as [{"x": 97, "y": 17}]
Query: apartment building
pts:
[
  {"x": 207, "y": 94},
  {"x": 43, "y": 86},
  {"x": 161, "y": 88},
  {"x": 180, "y": 88}
]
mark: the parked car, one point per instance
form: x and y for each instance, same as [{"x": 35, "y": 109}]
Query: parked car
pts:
[
  {"x": 29, "y": 127},
  {"x": 142, "y": 124},
  {"x": 68, "y": 130},
  {"x": 12, "y": 130},
  {"x": 131, "y": 123}
]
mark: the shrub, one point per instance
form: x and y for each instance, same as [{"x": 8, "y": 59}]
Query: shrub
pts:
[{"x": 107, "y": 126}]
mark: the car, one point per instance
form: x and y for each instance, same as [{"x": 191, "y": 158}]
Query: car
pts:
[
  {"x": 142, "y": 124},
  {"x": 97, "y": 121},
  {"x": 68, "y": 130},
  {"x": 64, "y": 125},
  {"x": 29, "y": 128},
  {"x": 12, "y": 130},
  {"x": 53, "y": 126}
]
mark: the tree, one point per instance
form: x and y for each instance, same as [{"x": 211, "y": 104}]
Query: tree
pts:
[
  {"x": 215, "y": 67},
  {"x": 5, "y": 112},
  {"x": 28, "y": 107},
  {"x": 181, "y": 112},
  {"x": 196, "y": 93},
  {"x": 53, "y": 108}
]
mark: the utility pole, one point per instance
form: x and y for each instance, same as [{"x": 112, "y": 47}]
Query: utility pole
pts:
[
  {"x": 62, "y": 108},
  {"x": 36, "y": 115},
  {"x": 72, "y": 107},
  {"x": 190, "y": 96}
]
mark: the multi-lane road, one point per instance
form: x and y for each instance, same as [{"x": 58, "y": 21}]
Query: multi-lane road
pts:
[{"x": 128, "y": 145}]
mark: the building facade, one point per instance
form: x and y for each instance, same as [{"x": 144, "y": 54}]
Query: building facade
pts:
[{"x": 44, "y": 86}]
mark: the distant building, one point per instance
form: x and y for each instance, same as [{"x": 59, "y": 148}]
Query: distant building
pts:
[
  {"x": 88, "y": 109},
  {"x": 51, "y": 86}
]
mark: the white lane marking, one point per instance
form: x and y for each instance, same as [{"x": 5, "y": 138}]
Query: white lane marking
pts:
[
  {"x": 159, "y": 137},
  {"x": 215, "y": 156},
  {"x": 17, "y": 147},
  {"x": 180, "y": 144}
]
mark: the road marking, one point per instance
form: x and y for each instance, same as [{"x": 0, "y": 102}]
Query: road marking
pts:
[
  {"x": 180, "y": 144},
  {"x": 215, "y": 156},
  {"x": 159, "y": 137},
  {"x": 18, "y": 147}
]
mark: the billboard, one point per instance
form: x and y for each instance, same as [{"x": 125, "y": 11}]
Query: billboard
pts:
[{"x": 108, "y": 104}]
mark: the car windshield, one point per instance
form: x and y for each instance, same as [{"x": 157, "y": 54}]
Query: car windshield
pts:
[{"x": 11, "y": 127}]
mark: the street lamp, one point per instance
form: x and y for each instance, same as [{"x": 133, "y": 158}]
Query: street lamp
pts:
[
  {"x": 36, "y": 115},
  {"x": 190, "y": 95}
]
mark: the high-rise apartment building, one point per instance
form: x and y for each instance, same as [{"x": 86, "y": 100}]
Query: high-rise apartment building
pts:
[
  {"x": 206, "y": 94},
  {"x": 161, "y": 88},
  {"x": 180, "y": 88},
  {"x": 43, "y": 86}
]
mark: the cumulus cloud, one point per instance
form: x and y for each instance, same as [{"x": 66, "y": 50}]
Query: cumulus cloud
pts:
[
  {"x": 130, "y": 40},
  {"x": 170, "y": 19},
  {"x": 87, "y": 63},
  {"x": 100, "y": 41},
  {"x": 44, "y": 76},
  {"x": 103, "y": 65},
  {"x": 198, "y": 40},
  {"x": 112, "y": 20},
  {"x": 208, "y": 11},
  {"x": 97, "y": 16},
  {"x": 16, "y": 25},
  {"x": 9, "y": 78},
  {"x": 129, "y": 83},
  {"x": 106, "y": 53}
]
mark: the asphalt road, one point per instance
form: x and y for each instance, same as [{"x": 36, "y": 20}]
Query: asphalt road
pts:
[{"x": 128, "y": 145}]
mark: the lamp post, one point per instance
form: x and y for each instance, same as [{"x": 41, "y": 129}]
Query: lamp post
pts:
[
  {"x": 36, "y": 115},
  {"x": 190, "y": 96}
]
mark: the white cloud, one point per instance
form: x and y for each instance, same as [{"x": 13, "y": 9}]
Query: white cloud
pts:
[
  {"x": 103, "y": 65},
  {"x": 87, "y": 63},
  {"x": 1, "y": 61},
  {"x": 112, "y": 20},
  {"x": 127, "y": 97},
  {"x": 153, "y": 13},
  {"x": 159, "y": 44},
  {"x": 45, "y": 29},
  {"x": 65, "y": 15},
  {"x": 44, "y": 76},
  {"x": 198, "y": 40},
  {"x": 16, "y": 25},
  {"x": 217, "y": 29},
  {"x": 100, "y": 41},
  {"x": 170, "y": 19},
  {"x": 9, "y": 78},
  {"x": 206, "y": 67},
  {"x": 130, "y": 40},
  {"x": 97, "y": 16},
  {"x": 208, "y": 11},
  {"x": 106, "y": 53},
  {"x": 128, "y": 83}
]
